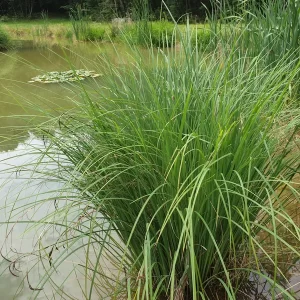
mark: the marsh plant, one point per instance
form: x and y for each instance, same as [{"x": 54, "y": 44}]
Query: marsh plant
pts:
[
  {"x": 271, "y": 28},
  {"x": 179, "y": 172},
  {"x": 80, "y": 22},
  {"x": 275, "y": 29},
  {"x": 156, "y": 34}
]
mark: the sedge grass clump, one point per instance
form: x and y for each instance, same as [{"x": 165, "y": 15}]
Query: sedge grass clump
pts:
[
  {"x": 175, "y": 167},
  {"x": 274, "y": 29},
  {"x": 183, "y": 162},
  {"x": 271, "y": 27}
]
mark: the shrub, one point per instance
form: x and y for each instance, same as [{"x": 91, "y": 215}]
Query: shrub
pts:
[
  {"x": 5, "y": 42},
  {"x": 201, "y": 37},
  {"x": 151, "y": 33},
  {"x": 162, "y": 33},
  {"x": 95, "y": 33}
]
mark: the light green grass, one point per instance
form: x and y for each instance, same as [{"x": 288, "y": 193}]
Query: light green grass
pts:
[
  {"x": 54, "y": 29},
  {"x": 58, "y": 30}
]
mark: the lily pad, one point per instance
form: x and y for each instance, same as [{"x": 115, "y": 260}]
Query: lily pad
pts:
[{"x": 64, "y": 76}]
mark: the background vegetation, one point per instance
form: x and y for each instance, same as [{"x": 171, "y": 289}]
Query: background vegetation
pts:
[
  {"x": 4, "y": 40},
  {"x": 108, "y": 9}
]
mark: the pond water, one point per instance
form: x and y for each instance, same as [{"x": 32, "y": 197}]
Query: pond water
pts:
[
  {"x": 19, "y": 189},
  {"x": 21, "y": 102},
  {"x": 22, "y": 106}
]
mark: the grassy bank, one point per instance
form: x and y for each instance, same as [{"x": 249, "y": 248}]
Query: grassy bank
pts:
[
  {"x": 67, "y": 31},
  {"x": 53, "y": 30}
]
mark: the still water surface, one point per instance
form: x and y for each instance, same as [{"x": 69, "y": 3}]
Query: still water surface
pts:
[{"x": 21, "y": 102}]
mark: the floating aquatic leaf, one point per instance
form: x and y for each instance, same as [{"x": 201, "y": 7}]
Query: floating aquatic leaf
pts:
[{"x": 65, "y": 76}]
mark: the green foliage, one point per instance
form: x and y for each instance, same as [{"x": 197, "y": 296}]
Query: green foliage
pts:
[
  {"x": 102, "y": 10},
  {"x": 69, "y": 34},
  {"x": 95, "y": 33},
  {"x": 115, "y": 31},
  {"x": 83, "y": 29},
  {"x": 105, "y": 10},
  {"x": 176, "y": 168},
  {"x": 157, "y": 34},
  {"x": 80, "y": 22},
  {"x": 202, "y": 37},
  {"x": 182, "y": 160},
  {"x": 5, "y": 42},
  {"x": 162, "y": 33},
  {"x": 42, "y": 31},
  {"x": 273, "y": 29}
]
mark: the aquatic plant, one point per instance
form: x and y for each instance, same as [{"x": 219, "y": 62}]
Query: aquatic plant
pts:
[
  {"x": 202, "y": 37},
  {"x": 64, "y": 76},
  {"x": 80, "y": 22},
  {"x": 176, "y": 173},
  {"x": 271, "y": 28},
  {"x": 162, "y": 34}
]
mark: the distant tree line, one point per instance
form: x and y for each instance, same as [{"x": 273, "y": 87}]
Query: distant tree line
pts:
[{"x": 108, "y": 9}]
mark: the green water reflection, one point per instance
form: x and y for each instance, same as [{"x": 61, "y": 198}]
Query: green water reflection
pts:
[{"x": 24, "y": 105}]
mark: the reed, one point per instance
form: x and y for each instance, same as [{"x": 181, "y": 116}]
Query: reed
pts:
[
  {"x": 183, "y": 162},
  {"x": 80, "y": 22}
]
